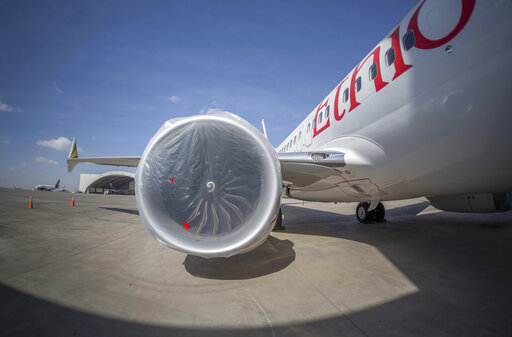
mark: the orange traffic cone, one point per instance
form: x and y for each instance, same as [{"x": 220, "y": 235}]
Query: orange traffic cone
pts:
[
  {"x": 30, "y": 204},
  {"x": 72, "y": 201}
]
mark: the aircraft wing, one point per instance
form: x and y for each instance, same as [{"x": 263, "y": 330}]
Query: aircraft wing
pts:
[
  {"x": 302, "y": 169},
  {"x": 114, "y": 161},
  {"x": 73, "y": 159},
  {"x": 298, "y": 169}
]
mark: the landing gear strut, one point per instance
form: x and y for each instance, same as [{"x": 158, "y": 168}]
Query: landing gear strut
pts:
[
  {"x": 364, "y": 215},
  {"x": 279, "y": 222}
]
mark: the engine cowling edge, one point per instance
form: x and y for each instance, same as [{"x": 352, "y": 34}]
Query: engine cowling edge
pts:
[{"x": 209, "y": 185}]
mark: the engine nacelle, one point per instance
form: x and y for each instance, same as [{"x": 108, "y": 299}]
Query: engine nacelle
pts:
[
  {"x": 473, "y": 203},
  {"x": 209, "y": 185}
]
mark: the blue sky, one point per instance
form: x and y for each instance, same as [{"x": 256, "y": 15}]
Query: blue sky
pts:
[{"x": 111, "y": 72}]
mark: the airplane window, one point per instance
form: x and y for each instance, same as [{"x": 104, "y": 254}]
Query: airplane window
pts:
[
  {"x": 320, "y": 117},
  {"x": 345, "y": 95},
  {"x": 409, "y": 40},
  {"x": 358, "y": 84},
  {"x": 327, "y": 112},
  {"x": 373, "y": 71},
  {"x": 390, "y": 56}
]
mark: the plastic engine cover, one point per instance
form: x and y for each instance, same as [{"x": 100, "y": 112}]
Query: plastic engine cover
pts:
[{"x": 209, "y": 185}]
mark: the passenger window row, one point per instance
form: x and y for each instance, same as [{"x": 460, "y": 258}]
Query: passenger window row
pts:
[{"x": 408, "y": 41}]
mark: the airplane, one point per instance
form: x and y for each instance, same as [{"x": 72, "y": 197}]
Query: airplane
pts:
[
  {"x": 47, "y": 187},
  {"x": 425, "y": 113}
]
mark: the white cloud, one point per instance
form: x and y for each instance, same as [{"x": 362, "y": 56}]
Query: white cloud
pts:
[
  {"x": 6, "y": 108},
  {"x": 46, "y": 161},
  {"x": 57, "y": 89},
  {"x": 6, "y": 142},
  {"x": 59, "y": 144},
  {"x": 23, "y": 164},
  {"x": 13, "y": 168},
  {"x": 174, "y": 99}
]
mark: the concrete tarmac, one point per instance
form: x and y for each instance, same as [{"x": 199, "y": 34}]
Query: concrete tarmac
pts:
[{"x": 93, "y": 270}]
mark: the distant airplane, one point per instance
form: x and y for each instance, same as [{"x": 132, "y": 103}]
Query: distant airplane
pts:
[
  {"x": 47, "y": 187},
  {"x": 425, "y": 113}
]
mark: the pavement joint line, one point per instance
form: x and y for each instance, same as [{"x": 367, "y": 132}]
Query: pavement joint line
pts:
[
  {"x": 329, "y": 300},
  {"x": 72, "y": 255},
  {"x": 262, "y": 310}
]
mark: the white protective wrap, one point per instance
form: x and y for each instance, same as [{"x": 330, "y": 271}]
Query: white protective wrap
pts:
[{"x": 215, "y": 173}]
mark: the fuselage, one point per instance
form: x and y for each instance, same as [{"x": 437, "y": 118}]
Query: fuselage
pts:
[
  {"x": 425, "y": 113},
  {"x": 44, "y": 188}
]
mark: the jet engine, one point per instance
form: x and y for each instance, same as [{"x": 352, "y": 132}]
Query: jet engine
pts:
[
  {"x": 209, "y": 185},
  {"x": 473, "y": 203}
]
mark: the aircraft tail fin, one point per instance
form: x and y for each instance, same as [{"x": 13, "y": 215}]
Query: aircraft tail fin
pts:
[{"x": 57, "y": 184}]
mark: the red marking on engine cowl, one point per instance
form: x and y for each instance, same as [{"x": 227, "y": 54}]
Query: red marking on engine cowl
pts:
[{"x": 187, "y": 226}]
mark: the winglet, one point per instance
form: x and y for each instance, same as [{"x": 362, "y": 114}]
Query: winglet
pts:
[
  {"x": 264, "y": 128},
  {"x": 73, "y": 154}
]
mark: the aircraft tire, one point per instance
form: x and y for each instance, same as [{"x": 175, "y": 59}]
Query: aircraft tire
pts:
[{"x": 362, "y": 212}]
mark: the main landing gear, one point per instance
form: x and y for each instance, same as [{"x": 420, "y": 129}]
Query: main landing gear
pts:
[
  {"x": 279, "y": 222},
  {"x": 371, "y": 211}
]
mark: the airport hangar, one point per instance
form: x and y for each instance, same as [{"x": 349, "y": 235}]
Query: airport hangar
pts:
[{"x": 118, "y": 182}]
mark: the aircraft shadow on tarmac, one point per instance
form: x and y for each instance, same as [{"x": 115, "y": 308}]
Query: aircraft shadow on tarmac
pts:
[
  {"x": 461, "y": 273},
  {"x": 271, "y": 256},
  {"x": 122, "y": 210}
]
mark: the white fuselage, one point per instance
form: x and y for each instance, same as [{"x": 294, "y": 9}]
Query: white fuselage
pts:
[
  {"x": 435, "y": 121},
  {"x": 44, "y": 188}
]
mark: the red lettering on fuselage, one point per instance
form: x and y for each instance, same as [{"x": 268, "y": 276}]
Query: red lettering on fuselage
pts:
[
  {"x": 424, "y": 43},
  {"x": 400, "y": 67},
  {"x": 379, "y": 83},
  {"x": 337, "y": 115}
]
